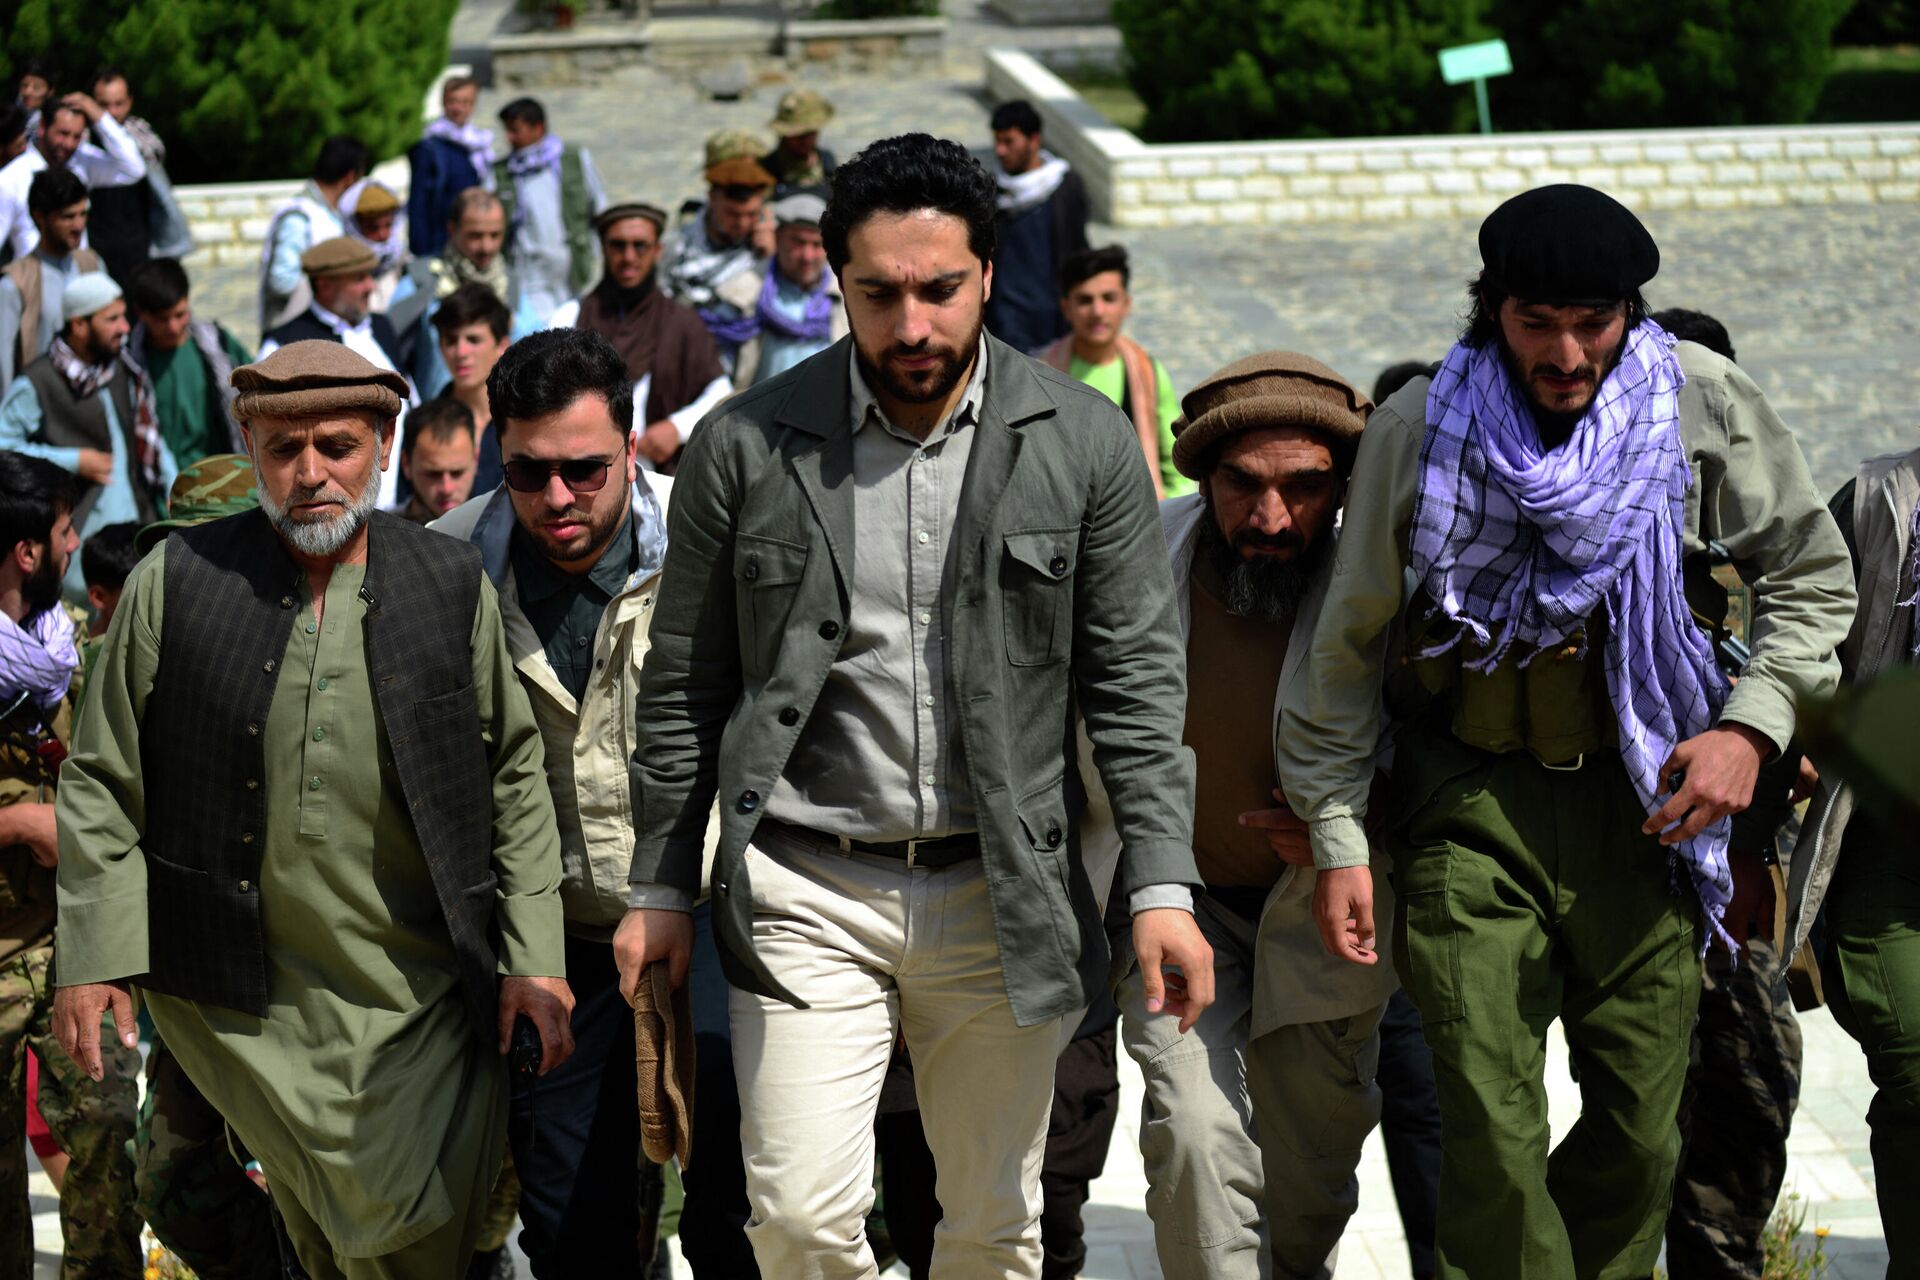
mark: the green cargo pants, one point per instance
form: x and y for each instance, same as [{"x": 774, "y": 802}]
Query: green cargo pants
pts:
[
  {"x": 1872, "y": 972},
  {"x": 1526, "y": 895}
]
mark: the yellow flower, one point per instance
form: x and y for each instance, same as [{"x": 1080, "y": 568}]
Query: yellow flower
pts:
[
  {"x": 153, "y": 1273},
  {"x": 1822, "y": 1231}
]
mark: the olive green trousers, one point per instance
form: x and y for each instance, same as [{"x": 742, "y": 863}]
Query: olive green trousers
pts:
[{"x": 1526, "y": 895}]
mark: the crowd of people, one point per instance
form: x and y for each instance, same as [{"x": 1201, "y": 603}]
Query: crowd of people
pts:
[{"x": 785, "y": 685}]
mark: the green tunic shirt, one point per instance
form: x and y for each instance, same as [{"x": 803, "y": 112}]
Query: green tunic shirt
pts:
[
  {"x": 191, "y": 410},
  {"x": 363, "y": 1079}
]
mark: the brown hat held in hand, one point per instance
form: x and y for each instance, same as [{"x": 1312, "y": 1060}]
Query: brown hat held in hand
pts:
[
  {"x": 663, "y": 1066},
  {"x": 313, "y": 379},
  {"x": 1272, "y": 389}
]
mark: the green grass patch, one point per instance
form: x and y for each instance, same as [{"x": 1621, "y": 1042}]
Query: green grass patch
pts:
[{"x": 1871, "y": 85}]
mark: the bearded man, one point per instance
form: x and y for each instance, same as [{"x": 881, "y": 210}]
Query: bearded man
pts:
[
  {"x": 893, "y": 574},
  {"x": 306, "y": 815},
  {"x": 1568, "y": 752}
]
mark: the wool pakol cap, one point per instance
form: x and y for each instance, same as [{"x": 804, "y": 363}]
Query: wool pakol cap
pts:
[
  {"x": 1567, "y": 245},
  {"x": 313, "y": 379},
  {"x": 733, "y": 159},
  {"x": 216, "y": 486},
  {"x": 800, "y": 111},
  {"x": 340, "y": 256},
  {"x": 377, "y": 197},
  {"x": 631, "y": 209},
  {"x": 1272, "y": 389},
  {"x": 88, "y": 293},
  {"x": 801, "y": 210}
]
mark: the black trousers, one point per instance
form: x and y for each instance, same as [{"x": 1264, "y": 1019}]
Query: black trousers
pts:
[
  {"x": 1410, "y": 1127},
  {"x": 1086, "y": 1103}
]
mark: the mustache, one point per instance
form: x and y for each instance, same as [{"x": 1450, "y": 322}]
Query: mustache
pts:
[
  {"x": 1285, "y": 540},
  {"x": 1588, "y": 372},
  {"x": 328, "y": 492}
]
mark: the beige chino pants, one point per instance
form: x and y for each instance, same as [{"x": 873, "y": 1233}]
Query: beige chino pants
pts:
[
  {"x": 878, "y": 949},
  {"x": 1251, "y": 1146}
]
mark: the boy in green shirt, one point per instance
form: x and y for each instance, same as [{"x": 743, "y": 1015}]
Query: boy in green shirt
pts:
[{"x": 189, "y": 361}]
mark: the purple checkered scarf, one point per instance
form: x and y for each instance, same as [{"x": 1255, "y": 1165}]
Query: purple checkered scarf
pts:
[
  {"x": 1519, "y": 545},
  {"x": 39, "y": 659}
]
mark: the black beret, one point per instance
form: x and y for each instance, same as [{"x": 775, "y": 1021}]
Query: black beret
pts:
[{"x": 1567, "y": 245}]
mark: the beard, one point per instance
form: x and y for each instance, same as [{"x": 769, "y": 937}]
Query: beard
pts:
[
  {"x": 1261, "y": 587},
  {"x": 321, "y": 536},
  {"x": 1556, "y": 423},
  {"x": 587, "y": 545},
  {"x": 920, "y": 386},
  {"x": 41, "y": 590}
]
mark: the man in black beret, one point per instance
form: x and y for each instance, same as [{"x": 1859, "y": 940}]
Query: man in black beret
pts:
[{"x": 1568, "y": 753}]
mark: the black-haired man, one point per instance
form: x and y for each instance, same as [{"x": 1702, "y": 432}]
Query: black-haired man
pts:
[
  {"x": 32, "y": 286},
  {"x": 437, "y": 459},
  {"x": 310, "y": 218},
  {"x": 887, "y": 720},
  {"x": 1569, "y": 751},
  {"x": 189, "y": 361},
  {"x": 1042, "y": 221},
  {"x": 61, "y": 144},
  {"x": 552, "y": 194}
]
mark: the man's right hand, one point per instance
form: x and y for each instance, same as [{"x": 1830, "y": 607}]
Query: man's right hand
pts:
[
  {"x": 659, "y": 442},
  {"x": 646, "y": 936},
  {"x": 1343, "y": 908},
  {"x": 96, "y": 465},
  {"x": 76, "y": 1021}
]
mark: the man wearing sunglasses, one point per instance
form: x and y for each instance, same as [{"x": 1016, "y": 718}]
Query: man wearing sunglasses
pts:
[{"x": 573, "y": 541}]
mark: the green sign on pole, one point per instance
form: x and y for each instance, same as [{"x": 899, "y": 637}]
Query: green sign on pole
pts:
[{"x": 1478, "y": 63}]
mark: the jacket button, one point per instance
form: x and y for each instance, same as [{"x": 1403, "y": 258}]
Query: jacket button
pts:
[
  {"x": 749, "y": 801},
  {"x": 269, "y": 667},
  {"x": 720, "y": 886},
  {"x": 1058, "y": 566},
  {"x": 246, "y": 886},
  {"x": 789, "y": 716},
  {"x": 254, "y": 728},
  {"x": 253, "y": 784},
  {"x": 286, "y": 602},
  {"x": 752, "y": 570},
  {"x": 246, "y": 837},
  {"x": 829, "y": 629},
  {"x": 1053, "y": 837}
]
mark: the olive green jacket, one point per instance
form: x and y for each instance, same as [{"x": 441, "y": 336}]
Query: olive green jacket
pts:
[{"x": 1058, "y": 599}]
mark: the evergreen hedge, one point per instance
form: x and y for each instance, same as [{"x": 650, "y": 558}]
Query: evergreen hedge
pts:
[{"x": 246, "y": 91}]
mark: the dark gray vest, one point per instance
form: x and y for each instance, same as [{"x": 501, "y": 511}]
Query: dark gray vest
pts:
[
  {"x": 68, "y": 422},
  {"x": 232, "y": 592}
]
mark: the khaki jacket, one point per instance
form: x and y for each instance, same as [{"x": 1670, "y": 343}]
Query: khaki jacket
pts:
[
  {"x": 1060, "y": 603},
  {"x": 588, "y": 743},
  {"x": 1294, "y": 979}
]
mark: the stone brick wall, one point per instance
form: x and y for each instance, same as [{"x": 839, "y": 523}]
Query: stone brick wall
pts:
[
  {"x": 1133, "y": 184},
  {"x": 229, "y": 220}
]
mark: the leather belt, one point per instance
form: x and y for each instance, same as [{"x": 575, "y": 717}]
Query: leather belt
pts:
[{"x": 938, "y": 852}]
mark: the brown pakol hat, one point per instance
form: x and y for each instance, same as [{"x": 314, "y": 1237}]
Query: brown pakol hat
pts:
[
  {"x": 663, "y": 1066},
  {"x": 308, "y": 379},
  {"x": 340, "y": 256},
  {"x": 1272, "y": 389}
]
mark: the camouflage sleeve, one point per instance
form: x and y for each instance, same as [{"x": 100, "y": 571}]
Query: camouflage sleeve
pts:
[{"x": 100, "y": 809}]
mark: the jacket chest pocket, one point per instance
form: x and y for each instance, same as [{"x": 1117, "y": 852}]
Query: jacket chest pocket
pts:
[
  {"x": 1036, "y": 587},
  {"x": 766, "y": 577}
]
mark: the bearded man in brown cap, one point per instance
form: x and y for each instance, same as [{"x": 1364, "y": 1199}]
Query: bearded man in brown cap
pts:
[{"x": 306, "y": 815}]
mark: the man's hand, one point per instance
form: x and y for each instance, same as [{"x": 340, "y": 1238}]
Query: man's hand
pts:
[
  {"x": 31, "y": 825},
  {"x": 1343, "y": 909},
  {"x": 85, "y": 105},
  {"x": 1286, "y": 833},
  {"x": 646, "y": 936},
  {"x": 76, "y": 1021},
  {"x": 659, "y": 442},
  {"x": 549, "y": 1002},
  {"x": 1717, "y": 771},
  {"x": 96, "y": 465},
  {"x": 1806, "y": 781},
  {"x": 1176, "y": 964}
]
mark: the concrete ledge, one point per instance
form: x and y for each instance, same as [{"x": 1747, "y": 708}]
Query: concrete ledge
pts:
[
  {"x": 1051, "y": 13},
  {"x": 1134, "y": 184},
  {"x": 570, "y": 57}
]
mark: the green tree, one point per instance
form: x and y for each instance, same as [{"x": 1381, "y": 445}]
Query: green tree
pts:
[
  {"x": 1880, "y": 22},
  {"x": 1599, "y": 64},
  {"x": 1226, "y": 69},
  {"x": 245, "y": 91}
]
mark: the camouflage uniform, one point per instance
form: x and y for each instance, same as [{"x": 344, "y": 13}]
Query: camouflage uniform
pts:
[
  {"x": 91, "y": 1121},
  {"x": 193, "y": 1192}
]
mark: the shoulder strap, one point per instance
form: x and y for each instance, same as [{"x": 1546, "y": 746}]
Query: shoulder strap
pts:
[{"x": 1143, "y": 404}]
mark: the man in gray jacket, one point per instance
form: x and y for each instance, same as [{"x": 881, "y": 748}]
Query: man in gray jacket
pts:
[{"x": 894, "y": 574}]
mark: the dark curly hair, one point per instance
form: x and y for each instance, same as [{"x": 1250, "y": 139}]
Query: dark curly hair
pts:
[
  {"x": 1484, "y": 299},
  {"x": 903, "y": 175},
  {"x": 545, "y": 372}
]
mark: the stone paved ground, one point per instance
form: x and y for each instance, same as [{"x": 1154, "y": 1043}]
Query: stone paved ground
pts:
[{"x": 1819, "y": 302}]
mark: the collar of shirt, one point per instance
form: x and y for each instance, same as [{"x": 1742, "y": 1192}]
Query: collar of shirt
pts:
[
  {"x": 866, "y": 407},
  {"x": 340, "y": 325},
  {"x": 538, "y": 578}
]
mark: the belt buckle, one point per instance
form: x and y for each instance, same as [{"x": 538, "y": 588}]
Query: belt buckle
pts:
[
  {"x": 913, "y": 849},
  {"x": 1574, "y": 767}
]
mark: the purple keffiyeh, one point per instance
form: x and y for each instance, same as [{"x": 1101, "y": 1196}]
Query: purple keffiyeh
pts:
[
  {"x": 529, "y": 160},
  {"x": 39, "y": 659},
  {"x": 1519, "y": 545},
  {"x": 477, "y": 141},
  {"x": 816, "y": 318}
]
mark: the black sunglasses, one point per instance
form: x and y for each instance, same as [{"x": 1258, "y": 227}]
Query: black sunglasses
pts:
[{"x": 581, "y": 475}]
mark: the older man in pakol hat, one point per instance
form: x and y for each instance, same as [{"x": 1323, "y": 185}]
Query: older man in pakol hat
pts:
[
  {"x": 798, "y": 162},
  {"x": 1569, "y": 753},
  {"x": 306, "y": 814},
  {"x": 731, "y": 233},
  {"x": 1255, "y": 1121}
]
